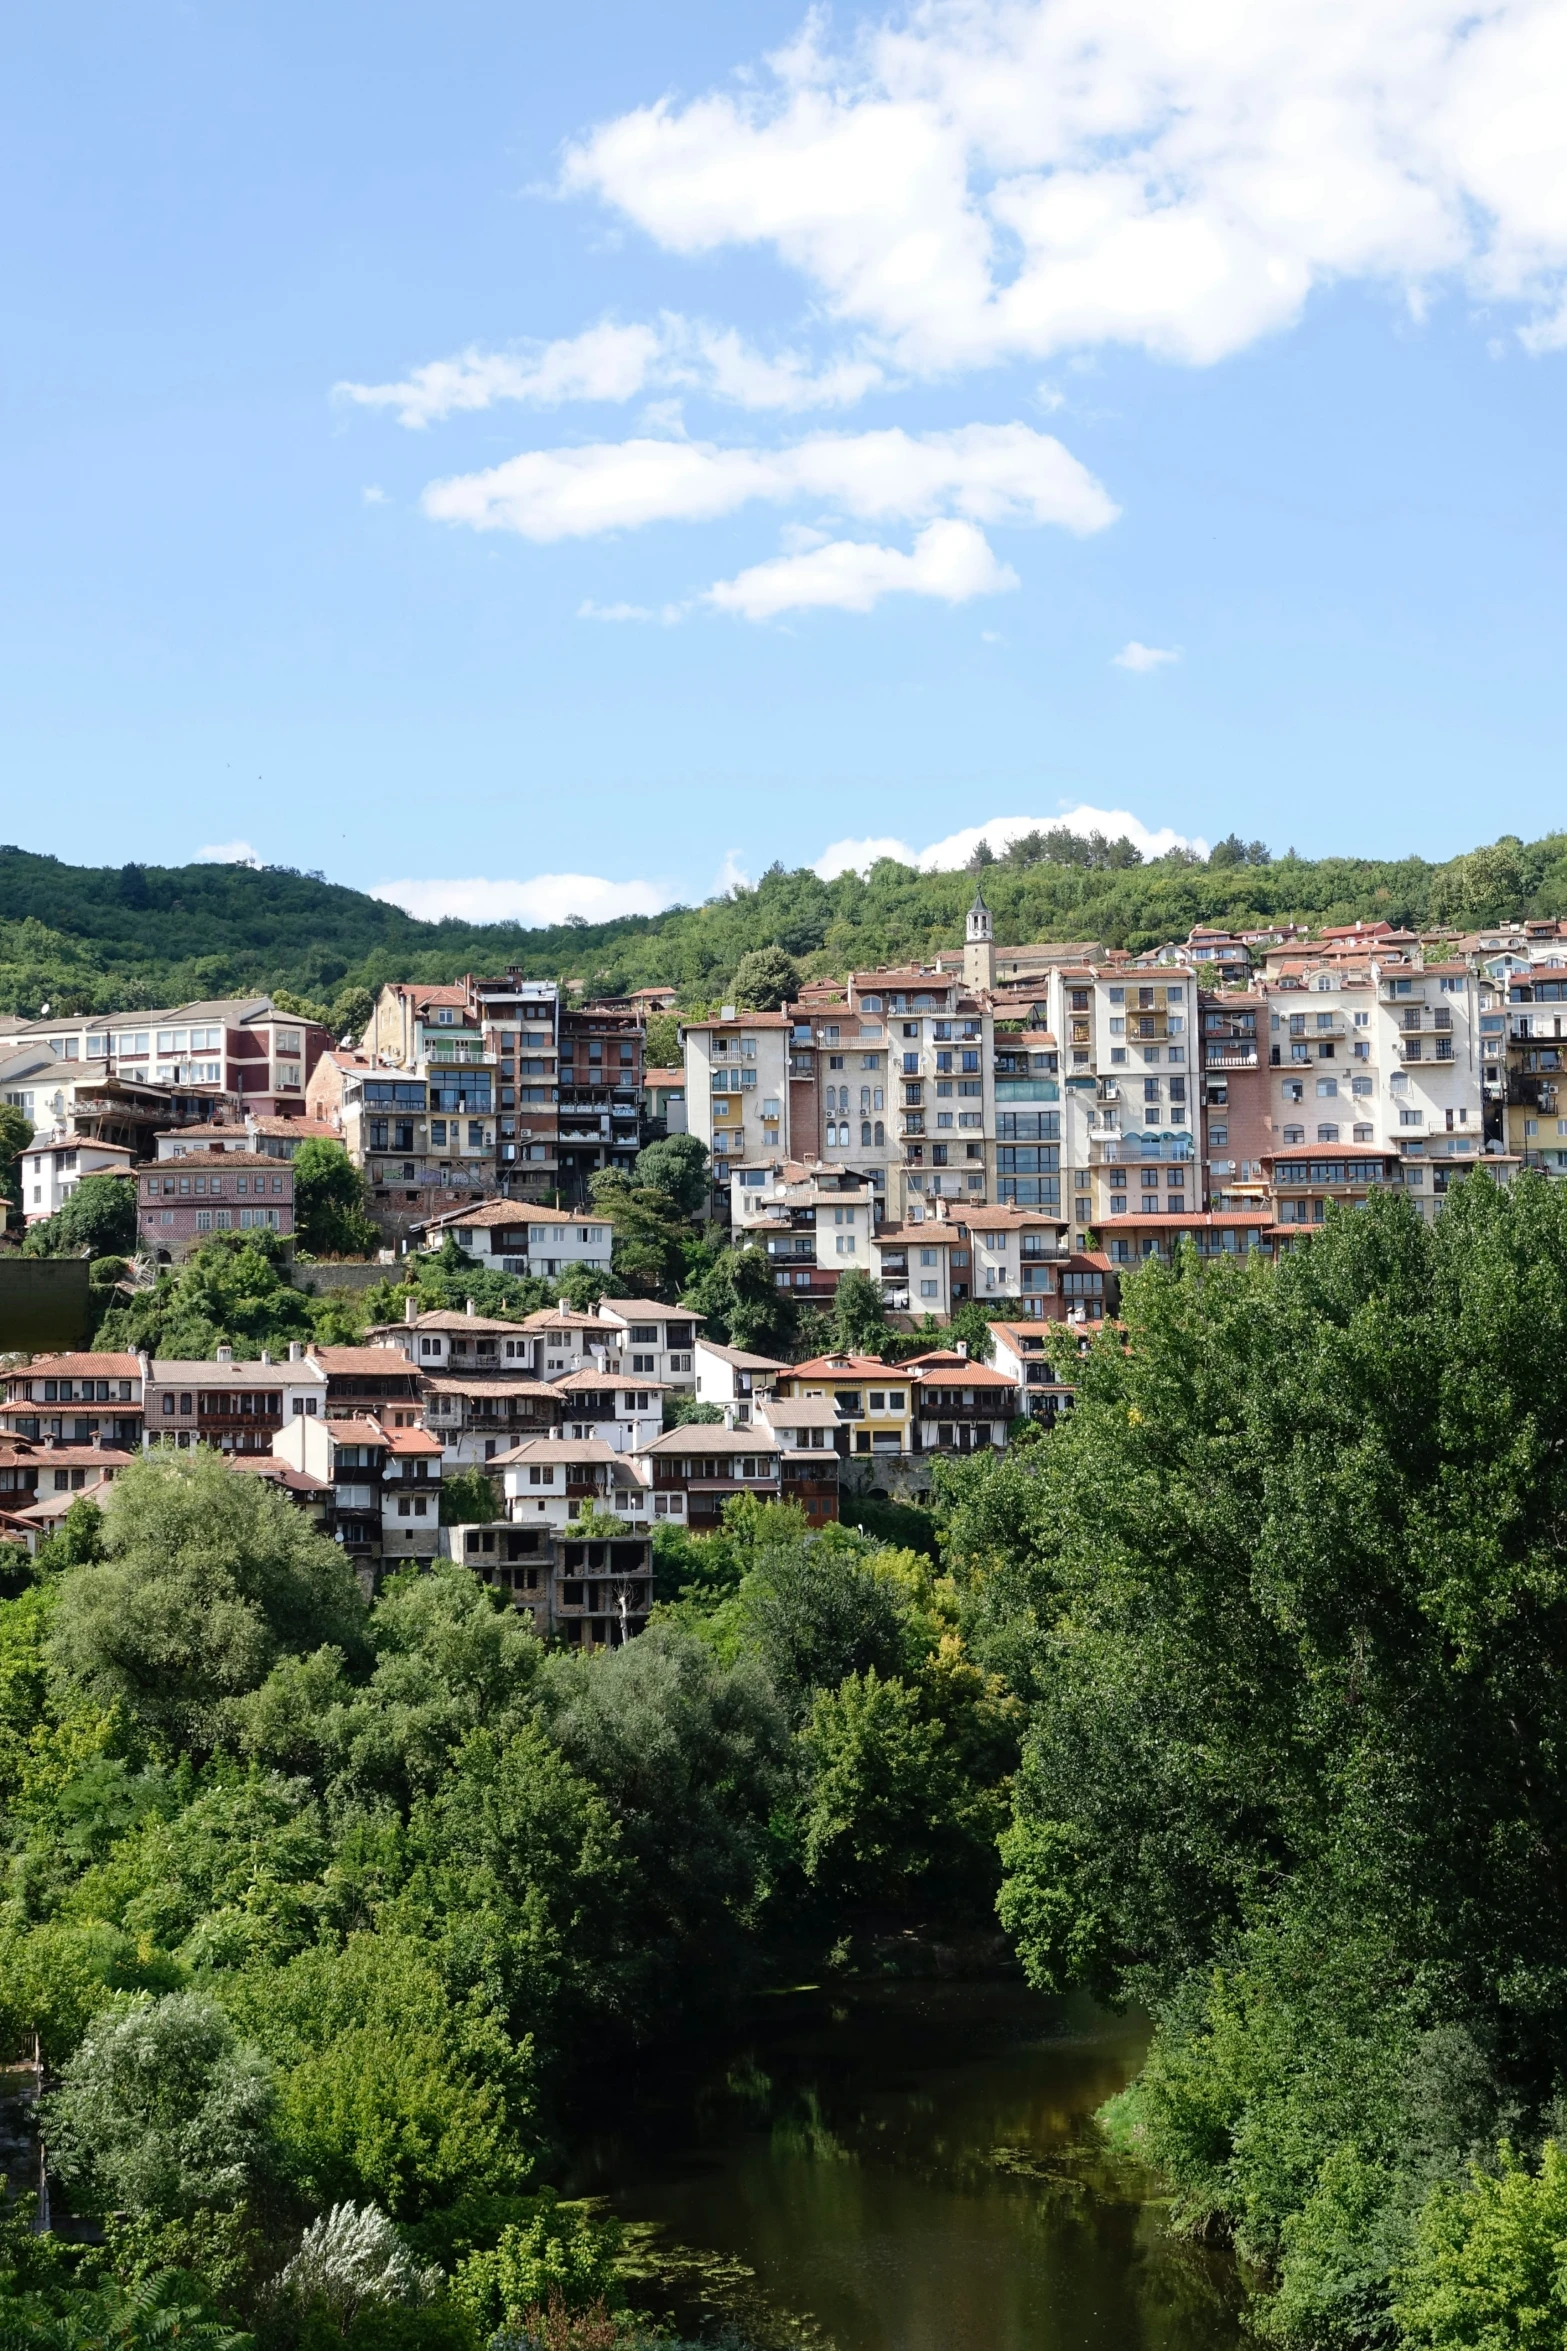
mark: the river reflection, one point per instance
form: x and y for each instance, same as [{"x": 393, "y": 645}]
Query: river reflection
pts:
[{"x": 910, "y": 2168}]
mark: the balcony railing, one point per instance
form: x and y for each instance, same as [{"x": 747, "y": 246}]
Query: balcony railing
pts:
[{"x": 1229, "y": 1057}]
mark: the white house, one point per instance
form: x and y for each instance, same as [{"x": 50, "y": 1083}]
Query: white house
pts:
[
  {"x": 653, "y": 1339},
  {"x": 52, "y": 1171},
  {"x": 739, "y": 1383},
  {"x": 550, "y": 1480},
  {"x": 517, "y": 1236},
  {"x": 623, "y": 1412}
]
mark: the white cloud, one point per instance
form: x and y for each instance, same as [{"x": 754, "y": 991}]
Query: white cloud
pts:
[
  {"x": 545, "y": 898},
  {"x": 952, "y": 560},
  {"x": 617, "y": 363},
  {"x": 1144, "y": 657},
  {"x": 668, "y": 614},
  {"x": 373, "y": 494},
  {"x": 227, "y": 853},
  {"x": 851, "y": 856},
  {"x": 990, "y": 178},
  {"x": 986, "y": 473},
  {"x": 731, "y": 874}
]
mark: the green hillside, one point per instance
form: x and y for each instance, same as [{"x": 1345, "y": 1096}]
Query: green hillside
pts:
[{"x": 113, "y": 938}]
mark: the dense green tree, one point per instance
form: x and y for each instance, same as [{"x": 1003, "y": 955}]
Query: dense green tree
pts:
[
  {"x": 233, "y": 1291},
  {"x": 206, "y": 1580},
  {"x": 765, "y": 979},
  {"x": 330, "y": 1218},
  {"x": 970, "y": 1323},
  {"x": 650, "y": 1232},
  {"x": 97, "y": 1220},
  {"x": 16, "y": 1132},
  {"x": 162, "y": 2109},
  {"x": 743, "y": 1304},
  {"x": 817, "y": 1610},
  {"x": 468, "y": 1498},
  {"x": 859, "y": 1319},
  {"x": 678, "y": 1166},
  {"x": 661, "y": 1042},
  {"x": 1487, "y": 2270}
]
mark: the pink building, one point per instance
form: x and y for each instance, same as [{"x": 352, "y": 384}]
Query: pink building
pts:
[{"x": 180, "y": 1202}]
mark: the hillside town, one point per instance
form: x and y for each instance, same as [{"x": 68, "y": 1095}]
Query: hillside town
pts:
[{"x": 1006, "y": 1128}]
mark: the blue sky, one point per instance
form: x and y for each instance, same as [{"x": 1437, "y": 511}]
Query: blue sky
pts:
[{"x": 764, "y": 434}]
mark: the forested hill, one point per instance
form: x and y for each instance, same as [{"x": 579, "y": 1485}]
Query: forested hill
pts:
[{"x": 109, "y": 938}]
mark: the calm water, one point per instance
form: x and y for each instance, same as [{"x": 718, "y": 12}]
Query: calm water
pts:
[{"x": 908, "y": 2168}]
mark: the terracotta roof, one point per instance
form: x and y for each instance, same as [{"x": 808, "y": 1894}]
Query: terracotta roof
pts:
[
  {"x": 844, "y": 1367},
  {"x": 560, "y": 1318},
  {"x": 584, "y": 1381},
  {"x": 1002, "y": 1218},
  {"x": 663, "y": 1077},
  {"x": 30, "y": 1452},
  {"x": 304, "y": 1128},
  {"x": 744, "y": 1020},
  {"x": 960, "y": 1375},
  {"x": 364, "y": 1431},
  {"x": 414, "y": 1441},
  {"x": 278, "y": 1473},
  {"x": 484, "y": 1383},
  {"x": 77, "y": 1143},
  {"x": 799, "y": 1412},
  {"x": 515, "y": 1212},
  {"x": 102, "y": 1367},
  {"x": 243, "y": 1372}
]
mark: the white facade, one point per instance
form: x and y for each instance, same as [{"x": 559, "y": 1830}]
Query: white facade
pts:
[
  {"x": 740, "y": 1384},
  {"x": 737, "y": 1086},
  {"x": 519, "y": 1237},
  {"x": 620, "y": 1413},
  {"x": 52, "y": 1171},
  {"x": 653, "y": 1340},
  {"x": 549, "y": 1481}
]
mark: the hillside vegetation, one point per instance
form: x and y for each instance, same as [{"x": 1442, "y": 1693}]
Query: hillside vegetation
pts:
[{"x": 116, "y": 938}]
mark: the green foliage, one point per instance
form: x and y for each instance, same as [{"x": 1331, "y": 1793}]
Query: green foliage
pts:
[
  {"x": 971, "y": 1324},
  {"x": 818, "y": 1610},
  {"x": 743, "y": 1305},
  {"x": 1489, "y": 2266},
  {"x": 16, "y": 1132},
  {"x": 661, "y": 1041},
  {"x": 765, "y": 979},
  {"x": 162, "y": 2109},
  {"x": 330, "y": 1219},
  {"x": 859, "y": 1319},
  {"x": 97, "y": 1220},
  {"x": 678, "y": 1167},
  {"x": 650, "y": 1229},
  {"x": 468, "y": 1498},
  {"x": 206, "y": 1580},
  {"x": 232, "y": 1291},
  {"x": 559, "y": 2260},
  {"x": 682, "y": 1411}
]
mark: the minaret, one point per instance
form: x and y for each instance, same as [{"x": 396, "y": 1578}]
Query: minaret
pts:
[{"x": 979, "y": 947}]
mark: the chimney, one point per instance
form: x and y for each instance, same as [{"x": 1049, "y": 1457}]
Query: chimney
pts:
[
  {"x": 411, "y": 1307},
  {"x": 295, "y": 1351},
  {"x": 962, "y": 1349},
  {"x": 225, "y": 1354},
  {"x": 265, "y": 1356}
]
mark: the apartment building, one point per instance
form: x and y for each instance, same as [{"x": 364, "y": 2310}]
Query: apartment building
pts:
[
  {"x": 1014, "y": 1252},
  {"x": 600, "y": 1093},
  {"x": 182, "y": 1201},
  {"x": 737, "y": 1088},
  {"x": 441, "y": 1340},
  {"x": 519, "y": 1020},
  {"x": 549, "y": 1481},
  {"x": 385, "y": 1484},
  {"x": 1152, "y": 1231},
  {"x": 815, "y": 1225},
  {"x": 370, "y": 1380},
  {"x": 1236, "y": 1088},
  {"x": 241, "y": 1048},
  {"x": 479, "y": 1413},
  {"x": 808, "y": 1434},
  {"x": 381, "y": 1116},
  {"x": 1534, "y": 1040},
  {"x": 433, "y": 1033},
  {"x": 914, "y": 1264},
  {"x": 50, "y": 1172}
]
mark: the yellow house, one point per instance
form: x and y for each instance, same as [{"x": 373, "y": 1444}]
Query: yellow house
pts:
[{"x": 874, "y": 1401}]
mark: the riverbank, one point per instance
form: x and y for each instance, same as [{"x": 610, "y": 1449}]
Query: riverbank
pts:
[{"x": 902, "y": 2166}]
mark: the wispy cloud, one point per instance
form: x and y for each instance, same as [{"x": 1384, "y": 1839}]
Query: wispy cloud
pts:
[
  {"x": 950, "y": 560},
  {"x": 538, "y": 901},
  {"x": 1144, "y": 657},
  {"x": 227, "y": 853},
  {"x": 665, "y": 614},
  {"x": 609, "y": 362},
  {"x": 998, "y": 832},
  {"x": 984, "y": 473}
]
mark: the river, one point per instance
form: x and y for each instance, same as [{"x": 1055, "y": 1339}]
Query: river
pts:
[{"x": 906, "y": 2167}]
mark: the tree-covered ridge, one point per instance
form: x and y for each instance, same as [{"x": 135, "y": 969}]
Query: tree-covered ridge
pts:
[{"x": 111, "y": 938}]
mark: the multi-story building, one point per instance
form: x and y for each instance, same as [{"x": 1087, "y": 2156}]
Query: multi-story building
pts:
[
  {"x": 435, "y": 1034},
  {"x": 1040, "y": 1364},
  {"x": 653, "y": 1340},
  {"x": 694, "y": 1471},
  {"x": 181, "y": 1202},
  {"x": 239, "y": 1048},
  {"x": 549, "y": 1481},
  {"x": 523, "y": 1237},
  {"x": 478, "y": 1412},
  {"x": 600, "y": 1113},
  {"x": 589, "y": 1593},
  {"x": 809, "y": 1436},
  {"x": 872, "y": 1401},
  {"x": 1534, "y": 1123},
  {"x": 52, "y": 1171},
  {"x": 1153, "y": 1231},
  {"x": 377, "y": 1381},
  {"x": 737, "y": 1087},
  {"x": 385, "y": 1486},
  {"x": 519, "y": 1020},
  {"x": 1236, "y": 1089},
  {"x": 913, "y": 1263},
  {"x": 815, "y": 1224},
  {"x": 624, "y": 1412},
  {"x": 233, "y": 1406},
  {"x": 1014, "y": 1252},
  {"x": 740, "y": 1384},
  {"x": 960, "y": 1406},
  {"x": 79, "y": 1399},
  {"x": 663, "y": 1103},
  {"x": 441, "y": 1341}
]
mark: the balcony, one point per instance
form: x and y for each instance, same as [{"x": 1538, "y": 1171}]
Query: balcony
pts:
[{"x": 1233, "y": 1055}]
